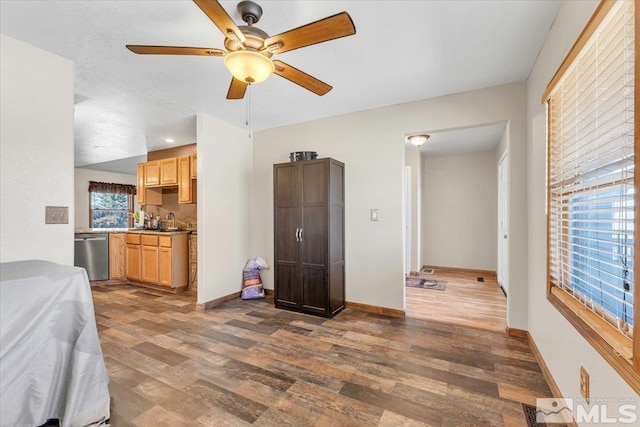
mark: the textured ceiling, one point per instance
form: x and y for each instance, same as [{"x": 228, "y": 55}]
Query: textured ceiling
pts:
[{"x": 403, "y": 51}]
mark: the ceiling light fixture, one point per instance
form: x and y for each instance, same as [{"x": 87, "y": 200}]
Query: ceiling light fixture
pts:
[
  {"x": 170, "y": 140},
  {"x": 249, "y": 66},
  {"x": 418, "y": 140},
  {"x": 99, "y": 147}
]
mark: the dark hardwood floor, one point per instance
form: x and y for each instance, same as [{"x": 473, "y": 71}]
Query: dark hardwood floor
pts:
[{"x": 246, "y": 363}]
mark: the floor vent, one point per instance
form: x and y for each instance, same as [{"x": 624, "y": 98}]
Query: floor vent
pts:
[
  {"x": 427, "y": 271},
  {"x": 480, "y": 279},
  {"x": 530, "y": 416}
]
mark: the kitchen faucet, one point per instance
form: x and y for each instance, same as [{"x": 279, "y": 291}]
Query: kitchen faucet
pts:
[{"x": 173, "y": 217}]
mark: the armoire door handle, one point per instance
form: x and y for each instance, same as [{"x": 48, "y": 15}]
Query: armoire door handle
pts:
[
  {"x": 301, "y": 234},
  {"x": 297, "y": 234}
]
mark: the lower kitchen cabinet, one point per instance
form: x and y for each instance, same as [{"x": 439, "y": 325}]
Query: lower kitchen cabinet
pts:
[
  {"x": 132, "y": 257},
  {"x": 162, "y": 259},
  {"x": 117, "y": 258},
  {"x": 149, "y": 253}
]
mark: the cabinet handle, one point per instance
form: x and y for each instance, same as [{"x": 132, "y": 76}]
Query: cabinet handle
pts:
[
  {"x": 297, "y": 238},
  {"x": 301, "y": 234}
]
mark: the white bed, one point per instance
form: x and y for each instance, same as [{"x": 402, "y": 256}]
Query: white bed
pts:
[{"x": 51, "y": 364}]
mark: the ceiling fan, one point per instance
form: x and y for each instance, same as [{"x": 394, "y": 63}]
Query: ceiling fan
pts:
[{"x": 249, "y": 49}]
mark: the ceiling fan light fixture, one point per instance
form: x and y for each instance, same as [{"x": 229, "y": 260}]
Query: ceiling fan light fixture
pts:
[
  {"x": 418, "y": 140},
  {"x": 249, "y": 66}
]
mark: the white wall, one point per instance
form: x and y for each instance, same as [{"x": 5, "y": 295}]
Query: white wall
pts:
[
  {"x": 562, "y": 347},
  {"x": 36, "y": 152},
  {"x": 460, "y": 210},
  {"x": 224, "y": 202},
  {"x": 82, "y": 177},
  {"x": 371, "y": 143},
  {"x": 413, "y": 158}
]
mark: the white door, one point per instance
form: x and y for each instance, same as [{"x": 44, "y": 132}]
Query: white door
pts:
[
  {"x": 407, "y": 219},
  {"x": 503, "y": 226}
]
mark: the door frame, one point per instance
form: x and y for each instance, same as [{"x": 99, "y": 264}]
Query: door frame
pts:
[
  {"x": 407, "y": 219},
  {"x": 503, "y": 223}
]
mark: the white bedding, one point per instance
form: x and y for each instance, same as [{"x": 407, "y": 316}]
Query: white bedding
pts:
[{"x": 51, "y": 363}]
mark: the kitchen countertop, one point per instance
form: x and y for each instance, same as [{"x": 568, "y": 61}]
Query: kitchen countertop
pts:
[{"x": 130, "y": 230}]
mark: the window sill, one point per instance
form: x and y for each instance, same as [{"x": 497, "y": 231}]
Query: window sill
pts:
[{"x": 607, "y": 340}]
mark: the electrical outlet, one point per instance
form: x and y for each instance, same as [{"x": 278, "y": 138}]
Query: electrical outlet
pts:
[
  {"x": 584, "y": 383},
  {"x": 374, "y": 214},
  {"x": 56, "y": 215}
]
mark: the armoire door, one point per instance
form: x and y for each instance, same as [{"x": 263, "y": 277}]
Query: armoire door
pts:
[
  {"x": 287, "y": 220},
  {"x": 314, "y": 238}
]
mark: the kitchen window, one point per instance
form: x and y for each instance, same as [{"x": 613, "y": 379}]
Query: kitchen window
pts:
[
  {"x": 110, "y": 204},
  {"x": 591, "y": 187}
]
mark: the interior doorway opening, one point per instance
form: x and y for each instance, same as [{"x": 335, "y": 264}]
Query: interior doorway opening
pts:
[{"x": 458, "y": 178}]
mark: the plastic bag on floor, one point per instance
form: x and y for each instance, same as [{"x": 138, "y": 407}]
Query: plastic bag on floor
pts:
[{"x": 251, "y": 282}]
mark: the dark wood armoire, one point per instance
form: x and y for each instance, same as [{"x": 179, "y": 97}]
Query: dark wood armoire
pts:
[{"x": 309, "y": 236}]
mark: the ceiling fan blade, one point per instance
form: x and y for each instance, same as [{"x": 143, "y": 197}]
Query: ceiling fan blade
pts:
[
  {"x": 175, "y": 50},
  {"x": 332, "y": 27},
  {"x": 221, "y": 19},
  {"x": 237, "y": 89},
  {"x": 301, "y": 78}
]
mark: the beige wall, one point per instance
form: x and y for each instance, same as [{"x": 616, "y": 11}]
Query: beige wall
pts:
[
  {"x": 224, "y": 203},
  {"x": 36, "y": 152},
  {"x": 460, "y": 210},
  {"x": 82, "y": 177},
  {"x": 562, "y": 347},
  {"x": 371, "y": 143}
]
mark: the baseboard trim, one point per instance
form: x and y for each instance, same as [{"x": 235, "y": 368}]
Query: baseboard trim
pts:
[
  {"x": 555, "y": 390},
  {"x": 517, "y": 333},
  {"x": 384, "y": 311},
  {"x": 210, "y": 304},
  {"x": 485, "y": 273},
  {"x": 268, "y": 292}
]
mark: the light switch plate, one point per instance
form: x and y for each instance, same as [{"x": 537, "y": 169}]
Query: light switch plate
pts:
[
  {"x": 56, "y": 215},
  {"x": 374, "y": 214}
]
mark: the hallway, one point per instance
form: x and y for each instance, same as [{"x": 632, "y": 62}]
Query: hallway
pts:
[{"x": 465, "y": 301}]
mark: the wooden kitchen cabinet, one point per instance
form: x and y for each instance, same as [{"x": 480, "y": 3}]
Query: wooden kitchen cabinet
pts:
[
  {"x": 162, "y": 260},
  {"x": 149, "y": 262},
  {"x": 165, "y": 262},
  {"x": 141, "y": 190},
  {"x": 194, "y": 166},
  {"x": 309, "y": 236},
  {"x": 169, "y": 171},
  {"x": 117, "y": 255},
  {"x": 132, "y": 256},
  {"x": 151, "y": 173},
  {"x": 185, "y": 188}
]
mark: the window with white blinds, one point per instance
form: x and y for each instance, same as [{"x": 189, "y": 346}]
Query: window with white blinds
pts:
[{"x": 591, "y": 192}]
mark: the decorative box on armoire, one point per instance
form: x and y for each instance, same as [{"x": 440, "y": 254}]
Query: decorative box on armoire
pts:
[{"x": 308, "y": 217}]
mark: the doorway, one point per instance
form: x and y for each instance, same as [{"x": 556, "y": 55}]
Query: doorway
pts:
[{"x": 454, "y": 277}]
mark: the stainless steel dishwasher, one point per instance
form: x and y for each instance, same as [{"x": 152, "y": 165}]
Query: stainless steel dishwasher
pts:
[{"x": 92, "y": 253}]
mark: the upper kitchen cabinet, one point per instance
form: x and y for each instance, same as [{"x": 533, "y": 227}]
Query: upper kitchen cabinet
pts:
[
  {"x": 140, "y": 190},
  {"x": 194, "y": 166},
  {"x": 155, "y": 175},
  {"x": 151, "y": 173},
  {"x": 169, "y": 171},
  {"x": 161, "y": 172},
  {"x": 186, "y": 193}
]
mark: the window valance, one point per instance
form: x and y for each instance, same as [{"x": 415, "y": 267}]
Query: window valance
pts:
[{"x": 110, "y": 187}]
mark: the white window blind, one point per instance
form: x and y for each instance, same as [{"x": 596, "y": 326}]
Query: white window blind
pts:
[{"x": 591, "y": 172}]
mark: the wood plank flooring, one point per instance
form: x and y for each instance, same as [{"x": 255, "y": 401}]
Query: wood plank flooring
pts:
[
  {"x": 465, "y": 302},
  {"x": 246, "y": 363}
]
